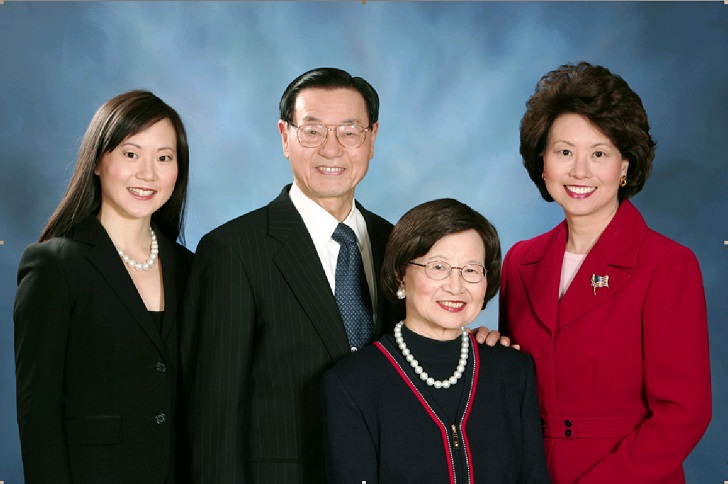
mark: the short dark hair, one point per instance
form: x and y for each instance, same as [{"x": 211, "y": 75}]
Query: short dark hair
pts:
[
  {"x": 421, "y": 227},
  {"x": 607, "y": 101},
  {"x": 118, "y": 118},
  {"x": 329, "y": 78}
]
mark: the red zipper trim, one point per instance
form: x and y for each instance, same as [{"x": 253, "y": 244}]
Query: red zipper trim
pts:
[
  {"x": 443, "y": 430},
  {"x": 463, "y": 433}
]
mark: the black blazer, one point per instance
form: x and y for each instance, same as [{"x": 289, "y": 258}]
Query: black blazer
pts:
[
  {"x": 260, "y": 327},
  {"x": 96, "y": 380}
]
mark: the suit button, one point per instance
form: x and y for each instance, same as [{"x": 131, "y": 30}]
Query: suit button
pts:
[
  {"x": 160, "y": 418},
  {"x": 567, "y": 423},
  {"x": 568, "y": 432},
  {"x": 160, "y": 367}
]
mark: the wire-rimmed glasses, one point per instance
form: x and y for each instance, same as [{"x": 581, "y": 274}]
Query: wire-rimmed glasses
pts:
[
  {"x": 314, "y": 135},
  {"x": 438, "y": 270}
]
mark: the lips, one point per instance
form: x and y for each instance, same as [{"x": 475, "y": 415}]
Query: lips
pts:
[
  {"x": 579, "y": 191},
  {"x": 330, "y": 170},
  {"x": 452, "y": 306},
  {"x": 141, "y": 192}
]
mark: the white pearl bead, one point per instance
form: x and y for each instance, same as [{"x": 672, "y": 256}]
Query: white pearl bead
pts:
[
  {"x": 462, "y": 362},
  {"x": 146, "y": 265}
]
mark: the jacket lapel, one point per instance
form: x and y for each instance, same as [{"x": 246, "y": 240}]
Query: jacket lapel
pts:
[
  {"x": 169, "y": 280},
  {"x": 299, "y": 264},
  {"x": 541, "y": 271},
  {"x": 377, "y": 242},
  {"x": 614, "y": 256},
  {"x": 104, "y": 258}
]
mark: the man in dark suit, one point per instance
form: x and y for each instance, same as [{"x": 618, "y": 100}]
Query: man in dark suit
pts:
[{"x": 261, "y": 322}]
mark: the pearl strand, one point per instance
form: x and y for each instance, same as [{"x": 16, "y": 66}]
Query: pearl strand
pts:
[
  {"x": 447, "y": 383},
  {"x": 154, "y": 252}
]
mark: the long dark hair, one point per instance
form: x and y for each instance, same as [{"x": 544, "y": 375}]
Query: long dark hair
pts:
[{"x": 118, "y": 118}]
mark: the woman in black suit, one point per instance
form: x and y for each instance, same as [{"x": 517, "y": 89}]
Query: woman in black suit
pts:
[
  {"x": 426, "y": 404},
  {"x": 95, "y": 330}
]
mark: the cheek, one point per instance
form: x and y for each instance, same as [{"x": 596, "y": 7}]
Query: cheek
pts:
[
  {"x": 170, "y": 176},
  {"x": 550, "y": 170}
]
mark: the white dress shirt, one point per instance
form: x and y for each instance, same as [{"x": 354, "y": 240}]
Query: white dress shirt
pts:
[{"x": 321, "y": 225}]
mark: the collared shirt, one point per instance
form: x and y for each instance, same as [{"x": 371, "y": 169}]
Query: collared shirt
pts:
[{"x": 321, "y": 225}]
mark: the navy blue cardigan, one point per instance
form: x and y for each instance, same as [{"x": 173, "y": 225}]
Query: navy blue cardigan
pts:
[{"x": 380, "y": 428}]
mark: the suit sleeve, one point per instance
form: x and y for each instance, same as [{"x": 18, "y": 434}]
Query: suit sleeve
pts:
[
  {"x": 350, "y": 452},
  {"x": 42, "y": 318},
  {"x": 216, "y": 336},
  {"x": 676, "y": 375},
  {"x": 533, "y": 467}
]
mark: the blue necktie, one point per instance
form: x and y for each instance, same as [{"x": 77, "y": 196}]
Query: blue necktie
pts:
[{"x": 352, "y": 291}]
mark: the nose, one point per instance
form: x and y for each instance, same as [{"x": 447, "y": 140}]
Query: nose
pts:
[
  {"x": 455, "y": 281},
  {"x": 147, "y": 169},
  {"x": 331, "y": 148},
  {"x": 580, "y": 168}
]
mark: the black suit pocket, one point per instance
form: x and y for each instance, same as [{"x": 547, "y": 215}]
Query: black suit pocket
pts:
[{"x": 95, "y": 430}]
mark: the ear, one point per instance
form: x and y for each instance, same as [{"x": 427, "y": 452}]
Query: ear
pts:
[
  {"x": 284, "y": 131},
  {"x": 372, "y": 138},
  {"x": 625, "y": 167}
]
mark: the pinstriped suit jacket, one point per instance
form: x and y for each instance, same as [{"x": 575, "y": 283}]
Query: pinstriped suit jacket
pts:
[{"x": 260, "y": 326}]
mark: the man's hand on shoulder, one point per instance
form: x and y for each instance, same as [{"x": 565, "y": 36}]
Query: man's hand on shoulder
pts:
[{"x": 491, "y": 337}]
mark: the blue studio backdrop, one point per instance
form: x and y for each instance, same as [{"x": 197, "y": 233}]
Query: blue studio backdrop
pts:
[{"x": 452, "y": 77}]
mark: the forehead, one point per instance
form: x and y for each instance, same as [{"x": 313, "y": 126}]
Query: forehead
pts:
[
  {"x": 576, "y": 127},
  {"x": 333, "y": 106},
  {"x": 468, "y": 244},
  {"x": 162, "y": 130}
]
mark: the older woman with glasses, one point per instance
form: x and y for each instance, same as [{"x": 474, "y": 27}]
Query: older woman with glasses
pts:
[{"x": 425, "y": 404}]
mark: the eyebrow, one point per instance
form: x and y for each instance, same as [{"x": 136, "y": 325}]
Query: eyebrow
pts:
[
  {"x": 161, "y": 148},
  {"x": 441, "y": 258},
  {"x": 314, "y": 119}
]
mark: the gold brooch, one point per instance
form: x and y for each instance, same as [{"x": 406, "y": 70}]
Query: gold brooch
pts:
[{"x": 599, "y": 281}]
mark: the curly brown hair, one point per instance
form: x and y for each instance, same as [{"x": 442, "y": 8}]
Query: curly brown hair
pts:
[{"x": 607, "y": 101}]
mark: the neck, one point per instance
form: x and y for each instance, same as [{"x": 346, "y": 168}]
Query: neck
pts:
[
  {"x": 439, "y": 334},
  {"x": 339, "y": 209},
  {"x": 129, "y": 235},
  {"x": 584, "y": 232}
]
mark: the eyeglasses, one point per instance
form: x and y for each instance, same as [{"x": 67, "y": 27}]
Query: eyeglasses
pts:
[
  {"x": 436, "y": 270},
  {"x": 314, "y": 135}
]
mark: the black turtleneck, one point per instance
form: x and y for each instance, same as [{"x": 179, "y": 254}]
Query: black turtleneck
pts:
[{"x": 439, "y": 359}]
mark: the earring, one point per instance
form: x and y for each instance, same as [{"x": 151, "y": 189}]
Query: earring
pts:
[
  {"x": 401, "y": 293},
  {"x": 623, "y": 181},
  {"x": 543, "y": 177}
]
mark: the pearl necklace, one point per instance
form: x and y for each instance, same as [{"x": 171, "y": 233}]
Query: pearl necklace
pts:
[
  {"x": 142, "y": 265},
  {"x": 462, "y": 362}
]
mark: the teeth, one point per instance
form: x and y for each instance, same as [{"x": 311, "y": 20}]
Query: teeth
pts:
[
  {"x": 580, "y": 190},
  {"x": 330, "y": 169},
  {"x": 141, "y": 192},
  {"x": 452, "y": 304}
]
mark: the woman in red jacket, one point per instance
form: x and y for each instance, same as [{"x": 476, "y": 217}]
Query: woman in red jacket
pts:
[{"x": 612, "y": 312}]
